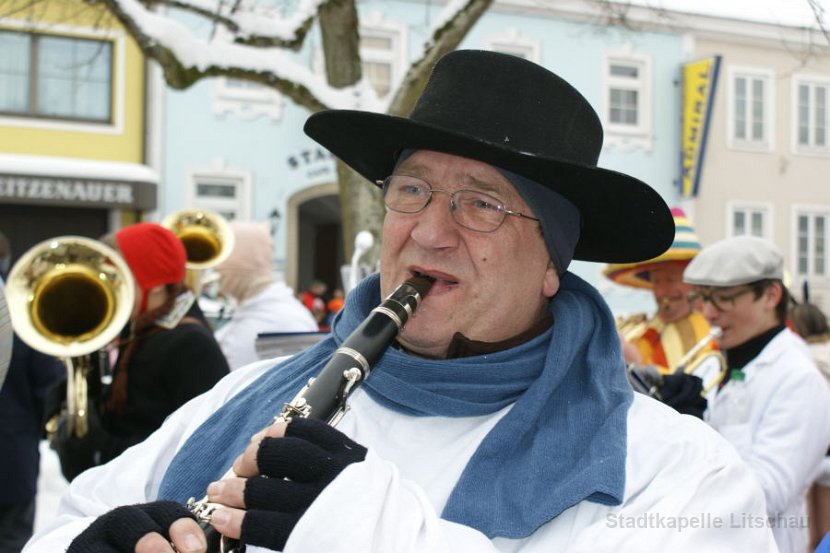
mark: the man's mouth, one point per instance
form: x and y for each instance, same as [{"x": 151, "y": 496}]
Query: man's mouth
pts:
[{"x": 442, "y": 280}]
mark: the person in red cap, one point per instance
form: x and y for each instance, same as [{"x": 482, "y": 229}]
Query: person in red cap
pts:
[{"x": 166, "y": 355}]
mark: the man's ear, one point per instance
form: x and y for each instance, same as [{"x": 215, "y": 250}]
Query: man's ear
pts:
[
  {"x": 550, "y": 281},
  {"x": 773, "y": 293}
]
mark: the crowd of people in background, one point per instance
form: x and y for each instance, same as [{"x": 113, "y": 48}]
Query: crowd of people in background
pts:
[{"x": 321, "y": 304}]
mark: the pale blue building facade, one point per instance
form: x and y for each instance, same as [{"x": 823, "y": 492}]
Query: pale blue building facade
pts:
[{"x": 240, "y": 149}]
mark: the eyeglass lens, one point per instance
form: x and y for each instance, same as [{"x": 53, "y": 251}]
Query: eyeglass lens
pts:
[
  {"x": 471, "y": 209},
  {"x": 720, "y": 300}
]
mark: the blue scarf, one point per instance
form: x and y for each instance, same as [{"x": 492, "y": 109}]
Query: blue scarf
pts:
[{"x": 562, "y": 442}]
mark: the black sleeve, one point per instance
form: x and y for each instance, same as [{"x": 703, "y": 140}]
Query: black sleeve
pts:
[
  {"x": 43, "y": 373},
  {"x": 197, "y": 363}
]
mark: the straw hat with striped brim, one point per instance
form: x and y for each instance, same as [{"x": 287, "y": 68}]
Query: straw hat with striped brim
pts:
[{"x": 638, "y": 275}]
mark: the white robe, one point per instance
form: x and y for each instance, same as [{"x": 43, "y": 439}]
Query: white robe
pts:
[
  {"x": 786, "y": 433},
  {"x": 686, "y": 488},
  {"x": 275, "y": 309}
]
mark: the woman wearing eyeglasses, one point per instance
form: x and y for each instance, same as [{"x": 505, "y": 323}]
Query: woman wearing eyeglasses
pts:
[{"x": 784, "y": 431}]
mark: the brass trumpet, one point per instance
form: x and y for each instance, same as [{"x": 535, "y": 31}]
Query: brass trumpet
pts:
[
  {"x": 69, "y": 297},
  {"x": 207, "y": 238}
]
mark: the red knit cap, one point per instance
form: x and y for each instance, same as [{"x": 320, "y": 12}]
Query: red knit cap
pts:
[{"x": 155, "y": 255}]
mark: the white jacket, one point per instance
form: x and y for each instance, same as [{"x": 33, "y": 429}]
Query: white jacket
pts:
[
  {"x": 786, "y": 433},
  {"x": 275, "y": 309},
  {"x": 686, "y": 488}
]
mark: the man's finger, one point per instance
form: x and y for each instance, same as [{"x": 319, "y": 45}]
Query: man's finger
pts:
[
  {"x": 153, "y": 542},
  {"x": 187, "y": 536},
  {"x": 228, "y": 522},
  {"x": 276, "y": 430},
  {"x": 228, "y": 491},
  {"x": 245, "y": 465}
]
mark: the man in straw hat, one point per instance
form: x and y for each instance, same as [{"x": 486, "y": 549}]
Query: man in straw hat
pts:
[
  {"x": 676, "y": 336},
  {"x": 501, "y": 418},
  {"x": 773, "y": 406}
]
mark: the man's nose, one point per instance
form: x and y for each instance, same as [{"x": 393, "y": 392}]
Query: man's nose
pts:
[{"x": 436, "y": 227}]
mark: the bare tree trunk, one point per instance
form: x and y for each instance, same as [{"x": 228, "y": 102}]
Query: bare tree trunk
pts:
[
  {"x": 339, "y": 27},
  {"x": 361, "y": 206}
]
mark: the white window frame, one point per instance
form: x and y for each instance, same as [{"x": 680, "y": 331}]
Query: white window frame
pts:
[
  {"x": 375, "y": 25},
  {"x": 622, "y": 135},
  {"x": 220, "y": 173},
  {"x": 118, "y": 79},
  {"x": 812, "y": 211},
  {"x": 248, "y": 103},
  {"x": 814, "y": 82},
  {"x": 512, "y": 42},
  {"x": 750, "y": 208},
  {"x": 767, "y": 141}
]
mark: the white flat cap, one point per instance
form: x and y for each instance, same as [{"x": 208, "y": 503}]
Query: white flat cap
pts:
[{"x": 735, "y": 261}]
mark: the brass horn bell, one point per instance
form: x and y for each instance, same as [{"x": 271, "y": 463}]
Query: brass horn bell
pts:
[
  {"x": 207, "y": 238},
  {"x": 69, "y": 297}
]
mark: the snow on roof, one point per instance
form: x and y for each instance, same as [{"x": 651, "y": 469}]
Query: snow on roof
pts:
[{"x": 64, "y": 167}]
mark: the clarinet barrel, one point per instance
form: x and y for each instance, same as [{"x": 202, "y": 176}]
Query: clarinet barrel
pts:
[{"x": 325, "y": 396}]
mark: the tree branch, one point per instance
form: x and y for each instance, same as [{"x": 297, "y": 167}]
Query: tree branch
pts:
[
  {"x": 292, "y": 40},
  {"x": 170, "y": 45},
  {"x": 445, "y": 38}
]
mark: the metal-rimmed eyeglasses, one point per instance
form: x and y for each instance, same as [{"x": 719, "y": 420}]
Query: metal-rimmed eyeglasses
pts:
[
  {"x": 471, "y": 209},
  {"x": 722, "y": 300}
]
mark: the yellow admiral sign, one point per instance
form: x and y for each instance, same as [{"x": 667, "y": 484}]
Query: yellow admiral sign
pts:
[{"x": 699, "y": 79}]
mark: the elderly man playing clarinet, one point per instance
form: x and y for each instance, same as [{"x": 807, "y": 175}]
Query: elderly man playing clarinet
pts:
[{"x": 500, "y": 418}]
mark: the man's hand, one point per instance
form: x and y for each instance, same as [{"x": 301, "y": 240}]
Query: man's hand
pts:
[
  {"x": 279, "y": 475},
  {"x": 154, "y": 527}
]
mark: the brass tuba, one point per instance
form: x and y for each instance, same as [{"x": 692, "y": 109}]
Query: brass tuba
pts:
[
  {"x": 633, "y": 326},
  {"x": 207, "y": 238},
  {"x": 69, "y": 297}
]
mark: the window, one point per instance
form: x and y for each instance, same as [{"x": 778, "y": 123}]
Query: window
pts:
[
  {"x": 511, "y": 42},
  {"x": 812, "y": 117},
  {"x": 750, "y": 102},
  {"x": 627, "y": 95},
  {"x": 248, "y": 100},
  {"x": 55, "y": 77},
  {"x": 749, "y": 219},
  {"x": 624, "y": 95},
  {"x": 377, "y": 63},
  {"x": 221, "y": 190},
  {"x": 811, "y": 244},
  {"x": 748, "y": 222},
  {"x": 382, "y": 52}
]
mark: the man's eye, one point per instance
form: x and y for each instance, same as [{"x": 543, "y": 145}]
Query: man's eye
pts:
[
  {"x": 483, "y": 204},
  {"x": 411, "y": 190}
]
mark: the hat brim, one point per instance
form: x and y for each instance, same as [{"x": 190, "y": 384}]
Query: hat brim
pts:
[
  {"x": 638, "y": 275},
  {"x": 623, "y": 219}
]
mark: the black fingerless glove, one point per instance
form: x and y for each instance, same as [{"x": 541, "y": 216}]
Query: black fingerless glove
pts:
[
  {"x": 683, "y": 392},
  {"x": 120, "y": 529},
  {"x": 298, "y": 467}
]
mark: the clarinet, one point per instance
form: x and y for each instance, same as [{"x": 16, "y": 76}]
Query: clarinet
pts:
[{"x": 324, "y": 397}]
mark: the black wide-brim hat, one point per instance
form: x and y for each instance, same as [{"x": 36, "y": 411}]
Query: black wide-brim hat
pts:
[{"x": 515, "y": 115}]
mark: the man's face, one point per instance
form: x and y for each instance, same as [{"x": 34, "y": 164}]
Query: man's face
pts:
[
  {"x": 739, "y": 314},
  {"x": 670, "y": 292},
  {"x": 489, "y": 286}
]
